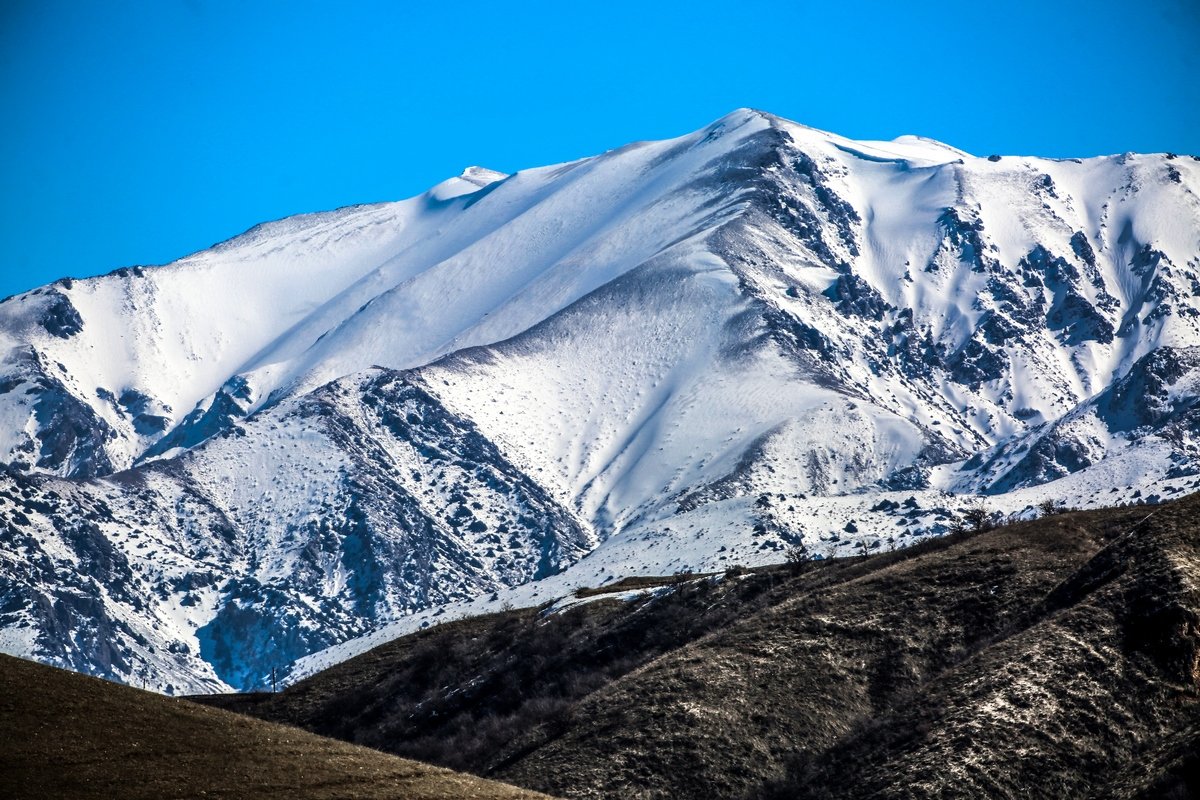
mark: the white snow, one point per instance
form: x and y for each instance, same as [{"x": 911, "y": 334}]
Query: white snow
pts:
[{"x": 654, "y": 336}]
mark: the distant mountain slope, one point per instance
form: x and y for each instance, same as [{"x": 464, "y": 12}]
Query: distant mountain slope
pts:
[
  {"x": 1053, "y": 658},
  {"x": 676, "y": 354},
  {"x": 73, "y": 737},
  {"x": 360, "y": 500}
]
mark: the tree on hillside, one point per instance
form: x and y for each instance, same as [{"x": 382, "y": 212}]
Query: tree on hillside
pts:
[
  {"x": 798, "y": 557},
  {"x": 1048, "y": 507},
  {"x": 977, "y": 517}
]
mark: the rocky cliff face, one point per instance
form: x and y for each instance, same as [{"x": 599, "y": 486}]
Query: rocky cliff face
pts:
[{"x": 360, "y": 501}]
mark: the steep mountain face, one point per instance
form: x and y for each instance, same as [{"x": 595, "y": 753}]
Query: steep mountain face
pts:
[
  {"x": 673, "y": 353},
  {"x": 364, "y": 499},
  {"x": 1153, "y": 404}
]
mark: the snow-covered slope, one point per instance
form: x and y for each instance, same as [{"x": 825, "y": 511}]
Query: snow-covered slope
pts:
[
  {"x": 363, "y": 499},
  {"x": 668, "y": 356}
]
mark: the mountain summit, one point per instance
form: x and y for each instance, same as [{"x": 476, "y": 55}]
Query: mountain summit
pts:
[{"x": 676, "y": 355}]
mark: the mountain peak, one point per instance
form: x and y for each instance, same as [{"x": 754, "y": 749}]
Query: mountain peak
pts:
[
  {"x": 481, "y": 176},
  {"x": 688, "y": 353},
  {"x": 470, "y": 180},
  {"x": 909, "y": 139}
]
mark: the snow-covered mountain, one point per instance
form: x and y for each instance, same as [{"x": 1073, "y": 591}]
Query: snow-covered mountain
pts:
[{"x": 677, "y": 354}]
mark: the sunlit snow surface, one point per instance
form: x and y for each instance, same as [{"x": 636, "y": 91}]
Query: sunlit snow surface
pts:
[{"x": 685, "y": 354}]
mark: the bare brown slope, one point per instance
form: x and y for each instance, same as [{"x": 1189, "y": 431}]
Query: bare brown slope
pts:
[
  {"x": 71, "y": 736},
  {"x": 1047, "y": 658},
  {"x": 1098, "y": 696},
  {"x": 464, "y": 693},
  {"x": 731, "y": 711}
]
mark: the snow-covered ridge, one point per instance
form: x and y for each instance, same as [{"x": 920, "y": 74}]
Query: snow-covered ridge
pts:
[{"x": 676, "y": 354}]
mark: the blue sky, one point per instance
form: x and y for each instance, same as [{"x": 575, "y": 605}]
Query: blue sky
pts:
[{"x": 139, "y": 132}]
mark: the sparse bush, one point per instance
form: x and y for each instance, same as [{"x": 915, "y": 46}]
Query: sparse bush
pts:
[
  {"x": 977, "y": 517},
  {"x": 797, "y": 558}
]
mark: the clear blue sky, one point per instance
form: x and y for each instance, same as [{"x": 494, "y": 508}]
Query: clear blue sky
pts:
[{"x": 137, "y": 132}]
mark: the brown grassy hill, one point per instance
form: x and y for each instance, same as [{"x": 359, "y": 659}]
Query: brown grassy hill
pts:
[
  {"x": 1093, "y": 694},
  {"x": 467, "y": 693},
  {"x": 71, "y": 736},
  {"x": 810, "y": 680},
  {"x": 1054, "y": 658}
]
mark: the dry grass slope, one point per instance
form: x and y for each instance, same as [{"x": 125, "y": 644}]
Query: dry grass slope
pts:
[
  {"x": 70, "y": 736},
  {"x": 731, "y": 711},
  {"x": 1053, "y": 658},
  {"x": 1093, "y": 692}
]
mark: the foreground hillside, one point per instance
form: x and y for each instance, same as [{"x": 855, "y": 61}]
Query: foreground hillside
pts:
[
  {"x": 1053, "y": 658},
  {"x": 71, "y": 736}
]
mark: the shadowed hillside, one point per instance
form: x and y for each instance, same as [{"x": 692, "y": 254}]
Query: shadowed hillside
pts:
[
  {"x": 1059, "y": 657},
  {"x": 70, "y": 736}
]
